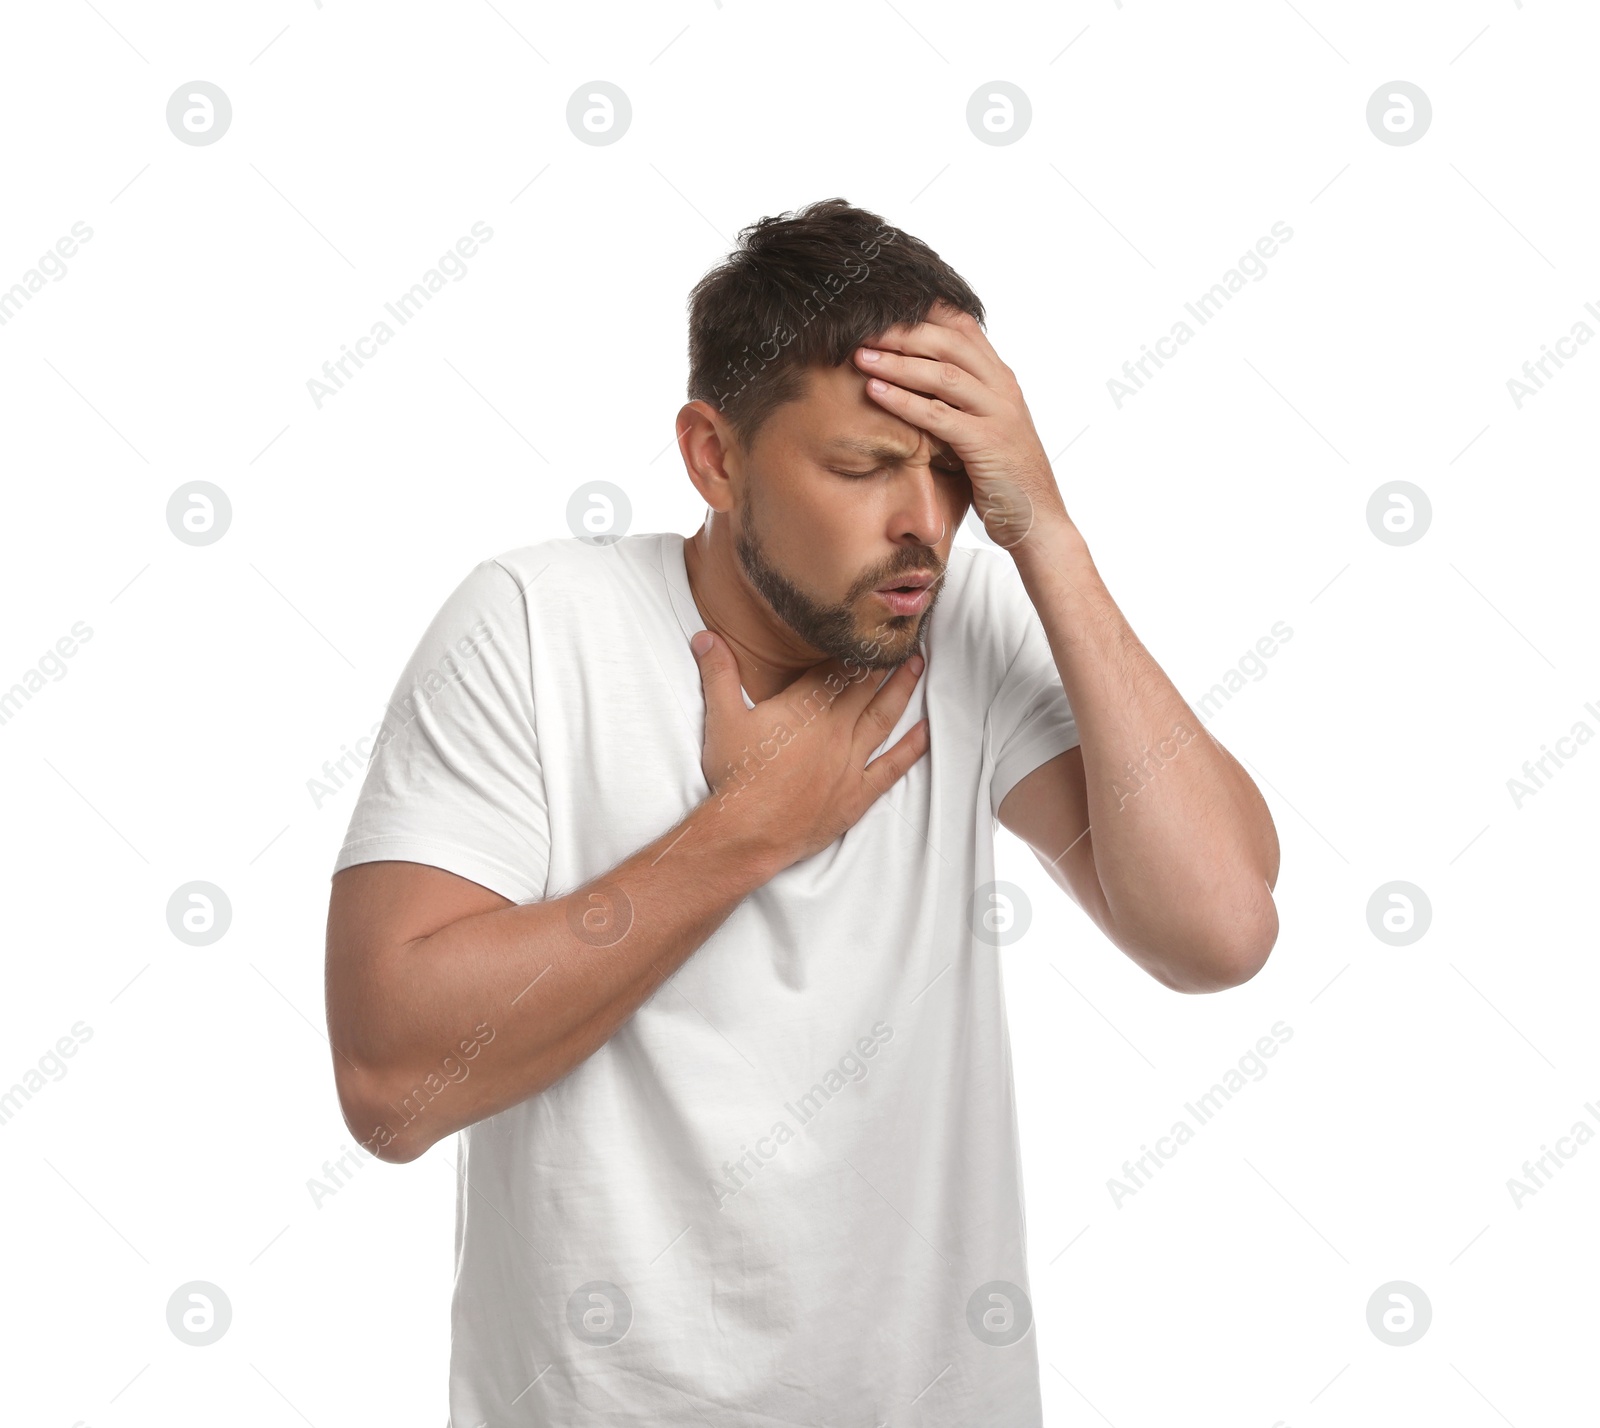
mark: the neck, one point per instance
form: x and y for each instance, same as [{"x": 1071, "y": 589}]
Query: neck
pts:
[{"x": 769, "y": 654}]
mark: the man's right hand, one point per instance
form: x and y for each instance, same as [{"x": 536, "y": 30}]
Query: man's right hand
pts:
[{"x": 791, "y": 774}]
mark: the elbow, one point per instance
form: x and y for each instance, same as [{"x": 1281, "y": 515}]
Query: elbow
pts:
[
  {"x": 1232, "y": 960},
  {"x": 1229, "y": 957},
  {"x": 369, "y": 1115}
]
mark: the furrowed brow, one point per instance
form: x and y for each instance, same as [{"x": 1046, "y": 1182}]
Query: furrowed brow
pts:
[{"x": 878, "y": 451}]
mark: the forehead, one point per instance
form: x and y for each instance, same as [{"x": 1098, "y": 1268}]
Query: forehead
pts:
[{"x": 834, "y": 416}]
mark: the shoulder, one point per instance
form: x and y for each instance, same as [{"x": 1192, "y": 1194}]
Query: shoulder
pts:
[
  {"x": 571, "y": 558},
  {"x": 988, "y": 605},
  {"x": 981, "y": 622},
  {"x": 565, "y": 570}
]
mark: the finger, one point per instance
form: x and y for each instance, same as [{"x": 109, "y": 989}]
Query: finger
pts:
[
  {"x": 932, "y": 414},
  {"x": 834, "y": 684},
  {"x": 945, "y": 380},
  {"x": 887, "y": 769},
  {"x": 876, "y": 722},
  {"x": 954, "y": 339},
  {"x": 719, "y": 678}
]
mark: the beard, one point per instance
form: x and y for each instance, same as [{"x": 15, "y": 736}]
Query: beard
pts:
[{"x": 840, "y": 631}]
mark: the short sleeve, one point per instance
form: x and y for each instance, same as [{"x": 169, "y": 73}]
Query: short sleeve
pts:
[
  {"x": 454, "y": 779},
  {"x": 1030, "y": 720}
]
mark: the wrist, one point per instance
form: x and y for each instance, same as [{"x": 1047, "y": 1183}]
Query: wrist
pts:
[
  {"x": 1052, "y": 544},
  {"x": 728, "y": 822}
]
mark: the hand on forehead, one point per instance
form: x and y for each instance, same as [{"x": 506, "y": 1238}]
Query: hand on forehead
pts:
[{"x": 941, "y": 314}]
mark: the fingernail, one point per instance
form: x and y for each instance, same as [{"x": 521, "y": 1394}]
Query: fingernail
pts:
[
  {"x": 700, "y": 641},
  {"x": 869, "y": 354},
  {"x": 916, "y": 662}
]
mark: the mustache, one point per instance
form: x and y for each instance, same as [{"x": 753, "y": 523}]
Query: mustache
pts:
[{"x": 939, "y": 573}]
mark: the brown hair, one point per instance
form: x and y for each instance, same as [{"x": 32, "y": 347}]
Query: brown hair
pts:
[{"x": 801, "y": 289}]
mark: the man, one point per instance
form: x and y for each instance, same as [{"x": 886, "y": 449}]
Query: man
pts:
[{"x": 682, "y": 911}]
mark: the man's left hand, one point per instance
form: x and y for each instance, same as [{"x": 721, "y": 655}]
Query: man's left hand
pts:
[{"x": 943, "y": 377}]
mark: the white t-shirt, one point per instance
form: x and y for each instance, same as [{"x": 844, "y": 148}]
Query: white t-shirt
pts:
[{"x": 791, "y": 1181}]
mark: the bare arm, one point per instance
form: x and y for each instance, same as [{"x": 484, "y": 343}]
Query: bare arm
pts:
[
  {"x": 433, "y": 976},
  {"x": 1151, "y": 824},
  {"x": 1182, "y": 858},
  {"x": 447, "y": 1003}
]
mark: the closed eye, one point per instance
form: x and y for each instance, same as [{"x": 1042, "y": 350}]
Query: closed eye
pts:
[{"x": 861, "y": 475}]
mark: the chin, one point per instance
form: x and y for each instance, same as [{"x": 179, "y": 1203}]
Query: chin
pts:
[{"x": 889, "y": 647}]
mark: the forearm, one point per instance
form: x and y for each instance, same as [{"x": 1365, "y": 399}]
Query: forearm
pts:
[
  {"x": 542, "y": 985},
  {"x": 1182, "y": 842}
]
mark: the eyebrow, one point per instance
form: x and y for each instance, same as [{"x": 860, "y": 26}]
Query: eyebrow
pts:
[{"x": 880, "y": 451}]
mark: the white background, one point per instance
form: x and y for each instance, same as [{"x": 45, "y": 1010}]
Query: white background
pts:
[{"x": 1229, "y": 494}]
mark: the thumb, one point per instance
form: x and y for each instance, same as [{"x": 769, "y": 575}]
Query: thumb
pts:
[{"x": 719, "y": 675}]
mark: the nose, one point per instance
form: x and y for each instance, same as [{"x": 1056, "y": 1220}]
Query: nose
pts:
[{"x": 923, "y": 513}]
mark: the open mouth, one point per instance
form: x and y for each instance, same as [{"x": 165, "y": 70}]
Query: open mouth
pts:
[
  {"x": 910, "y": 584},
  {"x": 910, "y": 596}
]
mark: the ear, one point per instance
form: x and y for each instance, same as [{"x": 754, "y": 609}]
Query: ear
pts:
[{"x": 705, "y": 441}]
